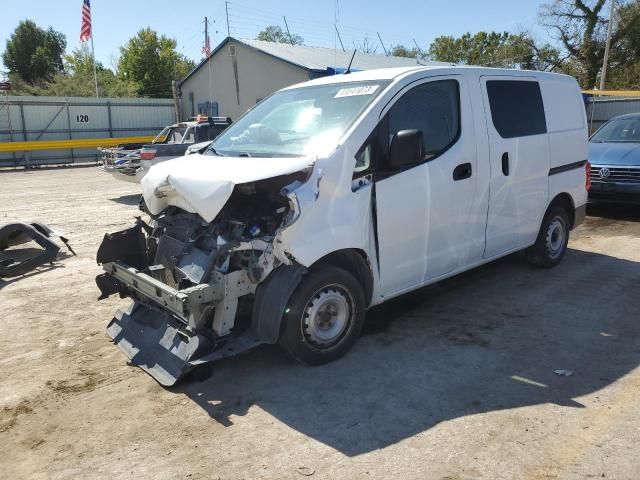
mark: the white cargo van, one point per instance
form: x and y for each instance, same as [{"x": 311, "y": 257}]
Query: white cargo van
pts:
[{"x": 337, "y": 194}]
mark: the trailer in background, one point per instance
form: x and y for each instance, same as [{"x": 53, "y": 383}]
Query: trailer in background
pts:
[
  {"x": 603, "y": 105},
  {"x": 36, "y": 131}
]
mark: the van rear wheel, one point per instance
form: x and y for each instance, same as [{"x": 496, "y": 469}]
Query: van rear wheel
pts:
[
  {"x": 324, "y": 316},
  {"x": 551, "y": 244}
]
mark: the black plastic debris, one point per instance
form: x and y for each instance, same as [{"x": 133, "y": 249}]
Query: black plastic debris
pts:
[{"x": 14, "y": 262}]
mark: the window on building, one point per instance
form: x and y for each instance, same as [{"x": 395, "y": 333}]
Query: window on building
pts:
[
  {"x": 516, "y": 108},
  {"x": 208, "y": 108}
]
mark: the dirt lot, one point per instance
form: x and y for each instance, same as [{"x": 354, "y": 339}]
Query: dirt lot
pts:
[{"x": 452, "y": 382}]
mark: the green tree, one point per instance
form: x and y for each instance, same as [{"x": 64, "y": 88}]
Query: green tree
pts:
[
  {"x": 152, "y": 62},
  {"x": 581, "y": 28},
  {"x": 78, "y": 81},
  {"x": 402, "y": 51},
  {"x": 495, "y": 49},
  {"x": 274, "y": 33},
  {"x": 34, "y": 54},
  {"x": 624, "y": 60}
]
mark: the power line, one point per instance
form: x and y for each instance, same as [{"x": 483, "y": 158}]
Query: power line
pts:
[
  {"x": 248, "y": 21},
  {"x": 239, "y": 24}
]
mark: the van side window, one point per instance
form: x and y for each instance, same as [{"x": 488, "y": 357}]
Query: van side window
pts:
[
  {"x": 516, "y": 108},
  {"x": 433, "y": 108},
  {"x": 363, "y": 159},
  {"x": 369, "y": 155}
]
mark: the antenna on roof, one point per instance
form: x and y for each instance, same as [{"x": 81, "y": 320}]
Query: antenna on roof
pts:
[{"x": 348, "y": 70}]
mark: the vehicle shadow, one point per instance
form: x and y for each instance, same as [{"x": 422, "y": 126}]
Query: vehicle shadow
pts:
[
  {"x": 133, "y": 199},
  {"x": 615, "y": 211},
  {"x": 484, "y": 341}
]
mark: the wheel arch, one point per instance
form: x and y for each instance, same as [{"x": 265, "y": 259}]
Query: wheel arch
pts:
[
  {"x": 354, "y": 261},
  {"x": 274, "y": 292},
  {"x": 565, "y": 201}
]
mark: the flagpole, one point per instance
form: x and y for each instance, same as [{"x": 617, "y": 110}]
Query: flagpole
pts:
[{"x": 93, "y": 54}]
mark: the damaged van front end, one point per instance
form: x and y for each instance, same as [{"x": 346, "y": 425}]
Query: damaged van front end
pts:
[
  {"x": 265, "y": 237},
  {"x": 208, "y": 275}
]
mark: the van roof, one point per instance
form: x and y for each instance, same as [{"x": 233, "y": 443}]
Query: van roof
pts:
[{"x": 395, "y": 73}]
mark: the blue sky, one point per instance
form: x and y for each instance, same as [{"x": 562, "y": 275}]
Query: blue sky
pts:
[{"x": 115, "y": 21}]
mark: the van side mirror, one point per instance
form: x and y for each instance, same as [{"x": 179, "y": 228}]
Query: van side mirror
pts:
[{"x": 407, "y": 148}]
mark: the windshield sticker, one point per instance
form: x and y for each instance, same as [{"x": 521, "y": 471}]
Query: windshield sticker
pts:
[{"x": 353, "y": 91}]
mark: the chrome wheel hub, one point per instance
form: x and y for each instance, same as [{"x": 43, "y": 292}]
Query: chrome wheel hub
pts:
[
  {"x": 327, "y": 315},
  {"x": 555, "y": 237}
]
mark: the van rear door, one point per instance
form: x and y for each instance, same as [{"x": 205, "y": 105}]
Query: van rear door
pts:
[{"x": 519, "y": 159}]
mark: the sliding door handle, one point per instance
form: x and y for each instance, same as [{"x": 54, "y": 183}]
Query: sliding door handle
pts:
[{"x": 505, "y": 164}]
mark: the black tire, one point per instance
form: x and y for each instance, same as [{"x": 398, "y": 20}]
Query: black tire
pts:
[
  {"x": 316, "y": 339},
  {"x": 551, "y": 244}
]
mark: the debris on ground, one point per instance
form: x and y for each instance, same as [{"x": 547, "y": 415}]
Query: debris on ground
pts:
[
  {"x": 306, "y": 471},
  {"x": 14, "y": 262},
  {"x": 563, "y": 373}
]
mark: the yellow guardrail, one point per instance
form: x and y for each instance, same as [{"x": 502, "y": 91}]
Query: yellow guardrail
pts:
[
  {"x": 30, "y": 146},
  {"x": 613, "y": 93}
]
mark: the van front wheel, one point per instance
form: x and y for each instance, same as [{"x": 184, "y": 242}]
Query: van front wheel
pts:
[
  {"x": 324, "y": 316},
  {"x": 552, "y": 240}
]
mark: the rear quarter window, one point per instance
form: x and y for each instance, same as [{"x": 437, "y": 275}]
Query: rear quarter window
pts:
[
  {"x": 564, "y": 105},
  {"x": 516, "y": 107}
]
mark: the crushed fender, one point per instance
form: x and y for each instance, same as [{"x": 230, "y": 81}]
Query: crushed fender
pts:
[{"x": 201, "y": 288}]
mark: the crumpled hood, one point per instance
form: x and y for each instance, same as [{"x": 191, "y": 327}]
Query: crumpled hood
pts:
[
  {"x": 614, "y": 153},
  {"x": 202, "y": 184}
]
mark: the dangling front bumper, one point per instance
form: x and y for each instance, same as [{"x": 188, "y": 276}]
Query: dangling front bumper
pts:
[
  {"x": 158, "y": 343},
  {"x": 168, "y": 331}
]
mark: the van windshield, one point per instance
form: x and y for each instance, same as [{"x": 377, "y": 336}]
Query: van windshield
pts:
[
  {"x": 619, "y": 130},
  {"x": 297, "y": 122}
]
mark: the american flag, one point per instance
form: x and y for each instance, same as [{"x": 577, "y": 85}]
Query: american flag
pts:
[
  {"x": 85, "y": 29},
  {"x": 206, "y": 50}
]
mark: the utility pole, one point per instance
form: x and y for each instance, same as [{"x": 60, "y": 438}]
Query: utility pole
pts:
[
  {"x": 175, "y": 100},
  {"x": 206, "y": 31},
  {"x": 287, "y": 27},
  {"x": 226, "y": 8},
  {"x": 339, "y": 38},
  {"x": 383, "y": 47},
  {"x": 603, "y": 77}
]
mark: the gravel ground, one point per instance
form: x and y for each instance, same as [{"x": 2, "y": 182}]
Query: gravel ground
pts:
[{"x": 453, "y": 382}]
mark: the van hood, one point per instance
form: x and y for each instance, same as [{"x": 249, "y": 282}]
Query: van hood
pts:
[
  {"x": 202, "y": 184},
  {"x": 614, "y": 153}
]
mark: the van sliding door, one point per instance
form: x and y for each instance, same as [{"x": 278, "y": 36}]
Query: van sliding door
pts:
[{"x": 519, "y": 158}]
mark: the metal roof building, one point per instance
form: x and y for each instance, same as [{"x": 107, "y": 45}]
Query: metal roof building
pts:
[{"x": 239, "y": 73}]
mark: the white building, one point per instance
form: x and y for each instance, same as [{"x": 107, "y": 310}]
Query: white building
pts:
[{"x": 239, "y": 73}]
